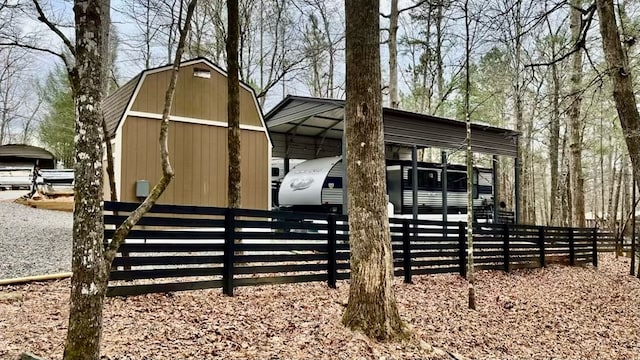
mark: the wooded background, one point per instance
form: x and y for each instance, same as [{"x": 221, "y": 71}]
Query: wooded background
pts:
[{"x": 535, "y": 66}]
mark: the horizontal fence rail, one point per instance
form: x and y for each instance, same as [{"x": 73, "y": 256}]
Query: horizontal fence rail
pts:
[{"x": 176, "y": 248}]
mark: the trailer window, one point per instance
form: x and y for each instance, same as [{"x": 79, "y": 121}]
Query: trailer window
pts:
[
  {"x": 456, "y": 181},
  {"x": 427, "y": 179}
]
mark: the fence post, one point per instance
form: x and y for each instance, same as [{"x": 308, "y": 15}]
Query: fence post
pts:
[
  {"x": 505, "y": 248},
  {"x": 543, "y": 260},
  {"x": 331, "y": 252},
  {"x": 229, "y": 248},
  {"x": 406, "y": 251},
  {"x": 572, "y": 249},
  {"x": 462, "y": 249},
  {"x": 594, "y": 256}
]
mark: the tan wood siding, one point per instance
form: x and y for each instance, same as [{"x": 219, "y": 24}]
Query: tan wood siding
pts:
[
  {"x": 199, "y": 157},
  {"x": 195, "y": 97}
]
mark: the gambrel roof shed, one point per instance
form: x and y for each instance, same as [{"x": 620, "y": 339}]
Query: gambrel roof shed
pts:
[{"x": 197, "y": 136}]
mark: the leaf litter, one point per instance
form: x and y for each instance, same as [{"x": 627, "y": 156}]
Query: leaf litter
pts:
[{"x": 558, "y": 312}]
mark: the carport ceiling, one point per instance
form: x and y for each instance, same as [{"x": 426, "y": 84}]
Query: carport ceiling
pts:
[{"x": 311, "y": 121}]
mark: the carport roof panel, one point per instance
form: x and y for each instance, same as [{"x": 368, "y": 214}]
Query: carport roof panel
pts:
[
  {"x": 317, "y": 117},
  {"x": 25, "y": 151}
]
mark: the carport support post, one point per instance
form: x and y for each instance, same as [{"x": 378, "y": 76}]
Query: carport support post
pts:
[
  {"x": 494, "y": 179},
  {"x": 287, "y": 163},
  {"x": 516, "y": 168},
  {"x": 229, "y": 248},
  {"x": 445, "y": 204},
  {"x": 345, "y": 202},
  {"x": 414, "y": 187}
]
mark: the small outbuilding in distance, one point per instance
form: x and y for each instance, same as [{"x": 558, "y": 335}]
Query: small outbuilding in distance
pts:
[
  {"x": 197, "y": 138},
  {"x": 22, "y": 155}
]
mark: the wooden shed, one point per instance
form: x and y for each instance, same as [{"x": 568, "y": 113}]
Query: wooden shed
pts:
[{"x": 197, "y": 137}]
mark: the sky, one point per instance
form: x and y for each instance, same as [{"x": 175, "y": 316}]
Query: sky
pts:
[{"x": 61, "y": 11}]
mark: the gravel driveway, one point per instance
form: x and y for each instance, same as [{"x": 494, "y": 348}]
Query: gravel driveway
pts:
[{"x": 33, "y": 241}]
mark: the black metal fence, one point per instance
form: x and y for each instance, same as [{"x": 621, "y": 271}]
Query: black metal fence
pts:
[{"x": 177, "y": 248}]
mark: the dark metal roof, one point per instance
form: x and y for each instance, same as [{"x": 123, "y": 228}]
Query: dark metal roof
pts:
[
  {"x": 12, "y": 155},
  {"x": 25, "y": 152},
  {"x": 306, "y": 125},
  {"x": 114, "y": 106}
]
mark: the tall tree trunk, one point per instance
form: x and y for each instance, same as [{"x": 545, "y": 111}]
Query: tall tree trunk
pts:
[
  {"x": 518, "y": 112},
  {"x": 91, "y": 264},
  {"x": 612, "y": 184},
  {"x": 233, "y": 104},
  {"x": 616, "y": 197},
  {"x": 602, "y": 214},
  {"x": 620, "y": 74},
  {"x": 438, "y": 55},
  {"x": 575, "y": 121},
  {"x": 469, "y": 159},
  {"x": 90, "y": 276},
  {"x": 565, "y": 192},
  {"x": 106, "y": 49},
  {"x": 393, "y": 55},
  {"x": 554, "y": 142},
  {"x": 372, "y": 304}
]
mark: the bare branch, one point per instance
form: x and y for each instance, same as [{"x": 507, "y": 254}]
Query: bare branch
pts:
[
  {"x": 416, "y": 5},
  {"x": 43, "y": 18},
  {"x": 167, "y": 171},
  {"x": 585, "y": 25},
  {"x": 41, "y": 49}
]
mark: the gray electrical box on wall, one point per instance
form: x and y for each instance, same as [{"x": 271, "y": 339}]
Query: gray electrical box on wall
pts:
[{"x": 142, "y": 188}]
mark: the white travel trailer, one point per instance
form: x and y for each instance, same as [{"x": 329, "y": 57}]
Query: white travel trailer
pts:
[{"x": 317, "y": 186}]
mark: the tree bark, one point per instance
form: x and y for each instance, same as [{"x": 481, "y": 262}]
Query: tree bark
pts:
[
  {"x": 167, "y": 171},
  {"x": 438, "y": 55},
  {"x": 372, "y": 306},
  {"x": 108, "y": 64},
  {"x": 554, "y": 143},
  {"x": 620, "y": 74},
  {"x": 575, "y": 121},
  {"x": 91, "y": 264},
  {"x": 90, "y": 275},
  {"x": 393, "y": 55},
  {"x": 233, "y": 104},
  {"x": 469, "y": 159},
  {"x": 518, "y": 113}
]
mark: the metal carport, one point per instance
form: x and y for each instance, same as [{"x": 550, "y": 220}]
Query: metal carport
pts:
[{"x": 308, "y": 128}]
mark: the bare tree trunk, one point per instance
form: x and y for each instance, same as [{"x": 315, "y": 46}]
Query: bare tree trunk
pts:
[
  {"x": 565, "y": 197},
  {"x": 90, "y": 263},
  {"x": 469, "y": 158},
  {"x": 554, "y": 142},
  {"x": 393, "y": 55},
  {"x": 620, "y": 73},
  {"x": 518, "y": 112},
  {"x": 438, "y": 55},
  {"x": 233, "y": 104},
  {"x": 612, "y": 183},
  {"x": 575, "y": 121},
  {"x": 372, "y": 306},
  {"x": 616, "y": 204},
  {"x": 89, "y": 267},
  {"x": 106, "y": 49},
  {"x": 616, "y": 197}
]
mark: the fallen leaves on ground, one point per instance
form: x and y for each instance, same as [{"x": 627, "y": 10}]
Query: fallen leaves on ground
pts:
[{"x": 553, "y": 313}]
